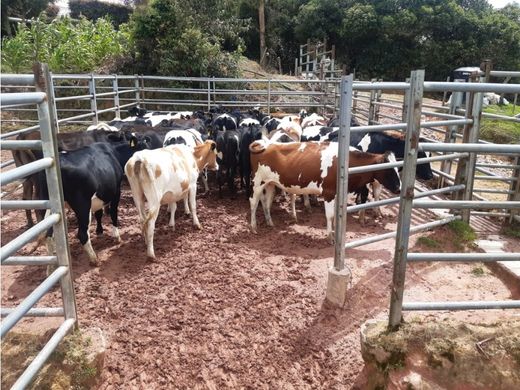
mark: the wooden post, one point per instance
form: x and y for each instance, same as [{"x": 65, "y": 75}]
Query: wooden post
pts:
[
  {"x": 261, "y": 22},
  {"x": 413, "y": 132}
]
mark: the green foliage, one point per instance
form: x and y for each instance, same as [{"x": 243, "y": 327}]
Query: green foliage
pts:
[
  {"x": 428, "y": 242},
  {"x": 499, "y": 131},
  {"x": 478, "y": 271},
  {"x": 25, "y": 9},
  {"x": 463, "y": 234},
  {"x": 94, "y": 9},
  {"x": 187, "y": 38},
  {"x": 66, "y": 46},
  {"x": 512, "y": 230}
]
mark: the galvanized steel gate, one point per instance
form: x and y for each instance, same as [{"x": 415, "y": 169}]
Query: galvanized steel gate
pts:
[
  {"x": 54, "y": 218},
  {"x": 462, "y": 188}
]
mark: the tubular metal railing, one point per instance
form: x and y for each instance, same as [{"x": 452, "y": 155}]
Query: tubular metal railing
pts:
[{"x": 55, "y": 219}]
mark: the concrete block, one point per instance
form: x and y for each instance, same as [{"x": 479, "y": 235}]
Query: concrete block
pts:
[{"x": 337, "y": 286}]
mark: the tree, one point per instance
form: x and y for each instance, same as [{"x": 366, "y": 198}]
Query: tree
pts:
[{"x": 25, "y": 9}]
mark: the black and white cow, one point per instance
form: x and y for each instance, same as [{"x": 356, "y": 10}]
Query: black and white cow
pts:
[
  {"x": 270, "y": 123},
  {"x": 91, "y": 178},
  {"x": 228, "y": 157},
  {"x": 248, "y": 135}
]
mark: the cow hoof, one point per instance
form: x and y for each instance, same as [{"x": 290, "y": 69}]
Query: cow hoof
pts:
[
  {"x": 331, "y": 239},
  {"x": 199, "y": 226},
  {"x": 94, "y": 262}
]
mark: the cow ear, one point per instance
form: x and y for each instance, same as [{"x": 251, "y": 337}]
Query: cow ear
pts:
[{"x": 213, "y": 145}]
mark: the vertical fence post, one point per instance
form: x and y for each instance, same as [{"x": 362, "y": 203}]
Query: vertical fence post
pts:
[
  {"x": 413, "y": 131},
  {"x": 136, "y": 87},
  {"x": 445, "y": 92},
  {"x": 115, "y": 89},
  {"x": 339, "y": 276},
  {"x": 143, "y": 96},
  {"x": 93, "y": 100},
  {"x": 214, "y": 92},
  {"x": 451, "y": 132},
  {"x": 269, "y": 97},
  {"x": 371, "y": 106},
  {"x": 54, "y": 184},
  {"x": 377, "y": 107},
  {"x": 515, "y": 188},
  {"x": 51, "y": 97},
  {"x": 406, "y": 99},
  {"x": 209, "y": 95},
  {"x": 296, "y": 67},
  {"x": 308, "y": 60},
  {"x": 466, "y": 166}
]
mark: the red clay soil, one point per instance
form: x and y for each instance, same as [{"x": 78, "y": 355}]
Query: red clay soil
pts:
[{"x": 224, "y": 308}]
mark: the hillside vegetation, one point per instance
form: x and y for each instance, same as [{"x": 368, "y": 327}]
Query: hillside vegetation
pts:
[{"x": 376, "y": 38}]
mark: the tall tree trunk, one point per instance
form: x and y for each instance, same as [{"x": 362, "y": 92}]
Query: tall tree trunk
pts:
[{"x": 261, "y": 20}]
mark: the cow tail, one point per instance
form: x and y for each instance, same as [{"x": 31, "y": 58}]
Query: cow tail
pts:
[{"x": 257, "y": 147}]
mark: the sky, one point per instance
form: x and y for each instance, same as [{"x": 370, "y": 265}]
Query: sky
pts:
[{"x": 63, "y": 4}]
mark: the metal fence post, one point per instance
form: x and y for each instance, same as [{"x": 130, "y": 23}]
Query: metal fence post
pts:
[
  {"x": 143, "y": 95},
  {"x": 515, "y": 188},
  {"x": 93, "y": 100},
  {"x": 371, "y": 105},
  {"x": 406, "y": 98},
  {"x": 466, "y": 166},
  {"x": 340, "y": 212},
  {"x": 451, "y": 131},
  {"x": 269, "y": 97},
  {"x": 115, "y": 89},
  {"x": 52, "y": 103},
  {"x": 53, "y": 174},
  {"x": 413, "y": 131},
  {"x": 209, "y": 95},
  {"x": 136, "y": 86},
  {"x": 377, "y": 107}
]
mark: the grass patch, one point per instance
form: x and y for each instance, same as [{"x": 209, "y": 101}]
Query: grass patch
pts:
[
  {"x": 499, "y": 131},
  {"x": 511, "y": 230},
  {"x": 463, "y": 234},
  {"x": 428, "y": 242},
  {"x": 478, "y": 271}
]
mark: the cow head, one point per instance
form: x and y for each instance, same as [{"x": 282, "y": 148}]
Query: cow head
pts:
[
  {"x": 137, "y": 111},
  {"x": 389, "y": 177},
  {"x": 206, "y": 156}
]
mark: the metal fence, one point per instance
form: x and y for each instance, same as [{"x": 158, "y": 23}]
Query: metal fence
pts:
[
  {"x": 55, "y": 218},
  {"x": 462, "y": 189}
]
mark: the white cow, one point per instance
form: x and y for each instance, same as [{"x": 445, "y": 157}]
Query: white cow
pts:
[
  {"x": 313, "y": 120},
  {"x": 167, "y": 176}
]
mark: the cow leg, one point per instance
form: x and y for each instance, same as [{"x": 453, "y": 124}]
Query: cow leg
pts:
[
  {"x": 193, "y": 206},
  {"x": 376, "y": 192},
  {"x": 204, "y": 177},
  {"x": 186, "y": 206},
  {"x": 253, "y": 201},
  {"x": 293, "y": 207},
  {"x": 329, "y": 215},
  {"x": 28, "y": 195},
  {"x": 113, "y": 215},
  {"x": 98, "y": 215},
  {"x": 84, "y": 215},
  {"x": 362, "y": 198},
  {"x": 173, "y": 208},
  {"x": 307, "y": 202},
  {"x": 269, "y": 196},
  {"x": 149, "y": 228}
]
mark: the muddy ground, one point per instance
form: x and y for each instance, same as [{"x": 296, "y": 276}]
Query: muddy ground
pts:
[{"x": 224, "y": 308}]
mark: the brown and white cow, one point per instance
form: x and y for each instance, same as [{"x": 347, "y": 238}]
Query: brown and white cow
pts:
[
  {"x": 167, "y": 176},
  {"x": 309, "y": 168}
]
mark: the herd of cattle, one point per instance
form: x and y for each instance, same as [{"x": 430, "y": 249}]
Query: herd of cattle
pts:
[{"x": 163, "y": 155}]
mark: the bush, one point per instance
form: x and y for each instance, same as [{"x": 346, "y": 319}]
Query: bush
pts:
[
  {"x": 93, "y": 10},
  {"x": 66, "y": 46}
]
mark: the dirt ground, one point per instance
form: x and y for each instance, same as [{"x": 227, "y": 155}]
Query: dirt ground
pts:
[{"x": 224, "y": 308}]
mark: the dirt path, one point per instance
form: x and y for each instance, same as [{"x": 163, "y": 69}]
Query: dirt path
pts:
[{"x": 223, "y": 308}]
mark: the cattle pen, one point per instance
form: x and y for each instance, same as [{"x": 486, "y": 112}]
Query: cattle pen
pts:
[{"x": 108, "y": 96}]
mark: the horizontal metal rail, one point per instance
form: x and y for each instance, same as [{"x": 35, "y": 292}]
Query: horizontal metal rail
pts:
[
  {"x": 423, "y": 194},
  {"x": 463, "y": 257},
  {"x": 441, "y": 86},
  {"x": 76, "y": 117},
  {"x": 76, "y": 97},
  {"x": 25, "y": 204},
  {"x": 17, "y": 132},
  {"x": 7, "y": 163},
  {"x": 40, "y": 359},
  {"x": 442, "y": 115},
  {"x": 36, "y": 312},
  {"x": 475, "y": 148},
  {"x": 465, "y": 204},
  {"x": 31, "y": 260},
  {"x": 504, "y": 73},
  {"x": 16, "y": 79},
  {"x": 498, "y": 178},
  {"x": 471, "y": 305},
  {"x": 505, "y": 166},
  {"x": 492, "y": 191},
  {"x": 31, "y": 300},
  {"x": 21, "y": 145},
  {"x": 413, "y": 230},
  {"x": 388, "y": 105},
  {"x": 27, "y": 236},
  {"x": 25, "y": 170},
  {"x": 490, "y": 214},
  {"x": 22, "y": 98},
  {"x": 398, "y": 164},
  {"x": 443, "y": 174}
]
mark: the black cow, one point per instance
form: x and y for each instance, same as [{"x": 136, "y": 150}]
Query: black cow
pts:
[
  {"x": 91, "y": 178},
  {"x": 228, "y": 155},
  {"x": 248, "y": 134}
]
